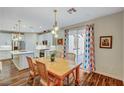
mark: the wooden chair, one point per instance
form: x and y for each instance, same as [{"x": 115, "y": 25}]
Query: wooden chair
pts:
[
  {"x": 71, "y": 57},
  {"x": 45, "y": 80},
  {"x": 58, "y": 54},
  {"x": 32, "y": 70},
  {"x": 71, "y": 76}
]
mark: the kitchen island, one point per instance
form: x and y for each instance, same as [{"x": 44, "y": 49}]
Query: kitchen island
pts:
[
  {"x": 5, "y": 52},
  {"x": 19, "y": 58}
]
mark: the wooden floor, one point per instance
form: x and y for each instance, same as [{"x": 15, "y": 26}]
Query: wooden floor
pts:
[{"x": 10, "y": 76}]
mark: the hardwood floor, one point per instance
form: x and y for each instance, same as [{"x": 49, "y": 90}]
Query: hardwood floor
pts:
[{"x": 10, "y": 76}]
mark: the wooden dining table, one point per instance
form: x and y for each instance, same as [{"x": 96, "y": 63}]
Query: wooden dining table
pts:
[{"x": 61, "y": 68}]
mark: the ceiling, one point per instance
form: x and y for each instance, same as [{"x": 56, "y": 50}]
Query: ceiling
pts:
[{"x": 38, "y": 19}]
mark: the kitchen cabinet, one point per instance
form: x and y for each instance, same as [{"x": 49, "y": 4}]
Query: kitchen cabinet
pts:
[{"x": 5, "y": 52}]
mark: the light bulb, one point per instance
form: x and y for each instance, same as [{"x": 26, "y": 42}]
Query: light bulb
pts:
[
  {"x": 53, "y": 32},
  {"x": 20, "y": 38},
  {"x": 56, "y": 28},
  {"x": 40, "y": 27},
  {"x": 56, "y": 36}
]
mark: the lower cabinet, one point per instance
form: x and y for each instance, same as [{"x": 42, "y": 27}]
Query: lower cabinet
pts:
[{"x": 5, "y": 55}]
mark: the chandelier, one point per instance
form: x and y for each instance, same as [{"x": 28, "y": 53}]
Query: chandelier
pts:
[
  {"x": 17, "y": 36},
  {"x": 55, "y": 26},
  {"x": 19, "y": 33}
]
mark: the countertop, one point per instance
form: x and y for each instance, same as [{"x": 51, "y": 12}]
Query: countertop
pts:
[
  {"x": 5, "y": 48},
  {"x": 21, "y": 52}
]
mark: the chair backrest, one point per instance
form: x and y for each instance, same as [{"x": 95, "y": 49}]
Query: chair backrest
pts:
[
  {"x": 30, "y": 63},
  {"x": 47, "y": 54},
  {"x": 42, "y": 71},
  {"x": 70, "y": 56},
  {"x": 58, "y": 54}
]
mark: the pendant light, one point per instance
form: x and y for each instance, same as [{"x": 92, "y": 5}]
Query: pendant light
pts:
[
  {"x": 55, "y": 26},
  {"x": 19, "y": 34}
]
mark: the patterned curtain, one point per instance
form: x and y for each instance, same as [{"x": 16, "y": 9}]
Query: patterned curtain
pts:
[
  {"x": 66, "y": 42},
  {"x": 89, "y": 63}
]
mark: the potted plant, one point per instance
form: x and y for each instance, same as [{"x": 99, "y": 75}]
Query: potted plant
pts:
[{"x": 52, "y": 57}]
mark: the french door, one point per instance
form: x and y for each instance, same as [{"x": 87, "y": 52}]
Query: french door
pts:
[{"x": 76, "y": 39}]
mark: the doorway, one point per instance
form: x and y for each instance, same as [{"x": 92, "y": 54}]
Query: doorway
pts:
[{"x": 76, "y": 40}]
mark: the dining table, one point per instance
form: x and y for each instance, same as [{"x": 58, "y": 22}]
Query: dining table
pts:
[{"x": 61, "y": 68}]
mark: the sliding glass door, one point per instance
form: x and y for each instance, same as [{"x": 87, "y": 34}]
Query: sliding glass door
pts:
[{"x": 76, "y": 40}]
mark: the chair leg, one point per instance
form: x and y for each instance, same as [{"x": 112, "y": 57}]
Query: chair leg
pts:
[
  {"x": 40, "y": 84},
  {"x": 34, "y": 82},
  {"x": 68, "y": 78},
  {"x": 30, "y": 79}
]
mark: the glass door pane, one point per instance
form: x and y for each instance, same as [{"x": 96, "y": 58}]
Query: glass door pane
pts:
[
  {"x": 81, "y": 40},
  {"x": 72, "y": 46},
  {"x": 76, "y": 44}
]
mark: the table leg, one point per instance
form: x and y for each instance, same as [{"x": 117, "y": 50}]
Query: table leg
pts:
[
  {"x": 67, "y": 79},
  {"x": 60, "y": 82},
  {"x": 77, "y": 81}
]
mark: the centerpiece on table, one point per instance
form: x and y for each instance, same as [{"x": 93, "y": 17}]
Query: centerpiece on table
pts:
[{"x": 52, "y": 57}]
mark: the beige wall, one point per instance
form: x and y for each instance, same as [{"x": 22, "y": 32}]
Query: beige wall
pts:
[
  {"x": 123, "y": 46},
  {"x": 109, "y": 61}
]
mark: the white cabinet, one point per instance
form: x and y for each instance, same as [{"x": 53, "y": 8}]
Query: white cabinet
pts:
[
  {"x": 5, "y": 46},
  {"x": 19, "y": 58},
  {"x": 5, "y": 54}
]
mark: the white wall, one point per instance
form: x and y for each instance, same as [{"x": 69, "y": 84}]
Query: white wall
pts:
[
  {"x": 46, "y": 36},
  {"x": 61, "y": 47},
  {"x": 30, "y": 41},
  {"x": 5, "y": 38},
  {"x": 109, "y": 61},
  {"x": 123, "y": 46}
]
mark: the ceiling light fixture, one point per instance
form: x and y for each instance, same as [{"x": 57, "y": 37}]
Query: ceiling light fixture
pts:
[
  {"x": 17, "y": 29},
  {"x": 40, "y": 27},
  {"x": 55, "y": 26},
  {"x": 71, "y": 10},
  {"x": 19, "y": 35}
]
